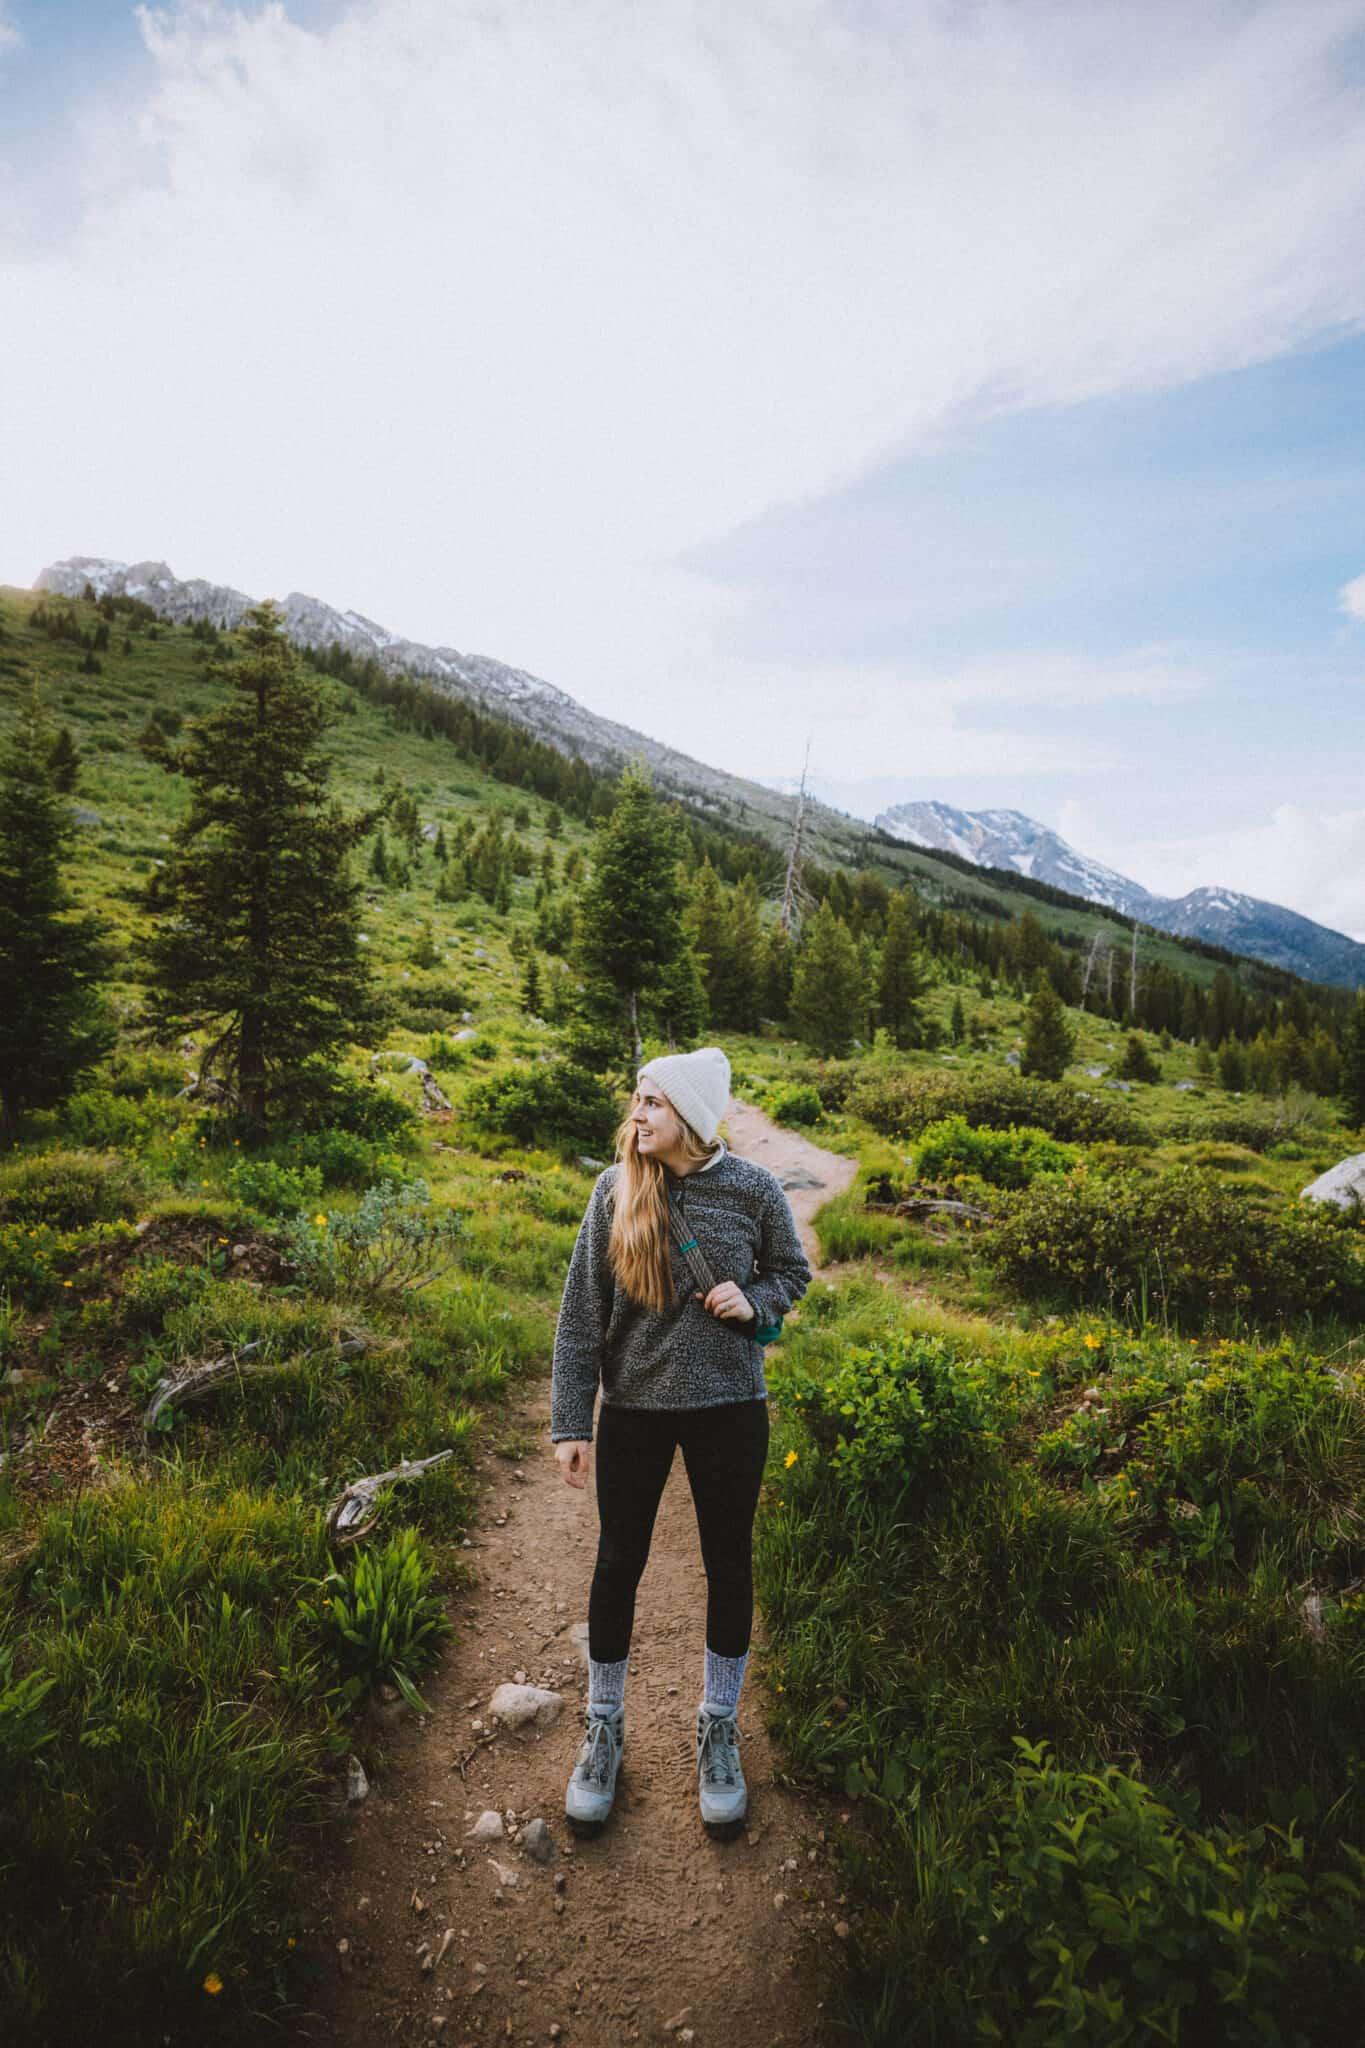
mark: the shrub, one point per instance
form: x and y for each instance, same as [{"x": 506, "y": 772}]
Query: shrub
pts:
[
  {"x": 547, "y": 1103},
  {"x": 1182, "y": 1243},
  {"x": 385, "y": 1620},
  {"x": 343, "y": 1159},
  {"x": 1006, "y": 1159},
  {"x": 265, "y": 1185},
  {"x": 901, "y": 1104},
  {"x": 362, "y": 1108},
  {"x": 154, "y": 1289},
  {"x": 67, "y": 1190},
  {"x": 385, "y": 1245},
  {"x": 1093, "y": 1913},
  {"x": 794, "y": 1102},
  {"x": 901, "y": 1413},
  {"x": 97, "y": 1116}
]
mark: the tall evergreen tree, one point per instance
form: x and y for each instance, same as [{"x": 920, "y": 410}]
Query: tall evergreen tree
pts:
[
  {"x": 827, "y": 997},
  {"x": 900, "y": 982},
  {"x": 530, "y": 986},
  {"x": 255, "y": 941},
  {"x": 743, "y": 999},
  {"x": 628, "y": 933},
  {"x": 1353, "y": 1065},
  {"x": 707, "y": 924},
  {"x": 53, "y": 1022},
  {"x": 1048, "y": 1039}
]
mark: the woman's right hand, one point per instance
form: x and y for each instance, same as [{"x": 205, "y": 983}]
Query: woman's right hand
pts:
[{"x": 575, "y": 1461}]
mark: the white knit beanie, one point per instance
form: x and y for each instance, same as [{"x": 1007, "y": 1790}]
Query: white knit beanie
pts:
[{"x": 696, "y": 1083}]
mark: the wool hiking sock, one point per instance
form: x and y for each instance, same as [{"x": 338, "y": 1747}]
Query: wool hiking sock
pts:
[
  {"x": 606, "y": 1685},
  {"x": 721, "y": 1683}
]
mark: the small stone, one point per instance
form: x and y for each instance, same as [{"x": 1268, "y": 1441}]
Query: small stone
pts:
[
  {"x": 519, "y": 1677},
  {"x": 559, "y": 1905},
  {"x": 439, "y": 2022},
  {"x": 344, "y": 1956},
  {"x": 779, "y": 1901},
  {"x": 678, "y": 2020},
  {"x": 537, "y": 1841},
  {"x": 841, "y": 1929},
  {"x": 506, "y": 1876},
  {"x": 560, "y": 1880},
  {"x": 357, "y": 1784},
  {"x": 487, "y": 1828},
  {"x": 515, "y": 1705}
]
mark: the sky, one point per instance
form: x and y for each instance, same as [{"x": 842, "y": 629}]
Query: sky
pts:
[{"x": 974, "y": 389}]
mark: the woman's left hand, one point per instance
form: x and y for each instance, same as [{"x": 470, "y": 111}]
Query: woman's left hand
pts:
[{"x": 727, "y": 1301}]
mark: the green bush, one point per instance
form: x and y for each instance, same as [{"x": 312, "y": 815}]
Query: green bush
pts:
[
  {"x": 343, "y": 1159},
  {"x": 1006, "y": 1159},
  {"x": 265, "y": 1185},
  {"x": 1093, "y": 1913},
  {"x": 362, "y": 1108},
  {"x": 98, "y": 1117},
  {"x": 386, "y": 1622},
  {"x": 548, "y": 1103},
  {"x": 154, "y": 1289},
  {"x": 1182, "y": 1244},
  {"x": 904, "y": 1412},
  {"x": 902, "y": 1104},
  {"x": 794, "y": 1102},
  {"x": 386, "y": 1245},
  {"x": 67, "y": 1190}
]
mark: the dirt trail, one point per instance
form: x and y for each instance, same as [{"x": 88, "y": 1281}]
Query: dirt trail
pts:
[{"x": 652, "y": 1932}]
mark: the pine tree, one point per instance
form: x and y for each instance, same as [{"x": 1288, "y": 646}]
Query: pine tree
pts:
[
  {"x": 379, "y": 857},
  {"x": 255, "y": 945},
  {"x": 957, "y": 1023},
  {"x": 1048, "y": 1039},
  {"x": 53, "y": 1022},
  {"x": 64, "y": 762},
  {"x": 439, "y": 847},
  {"x": 707, "y": 925},
  {"x": 1353, "y": 1065},
  {"x": 1232, "y": 1066},
  {"x": 1137, "y": 1063},
  {"x": 900, "y": 981},
  {"x": 530, "y": 986},
  {"x": 827, "y": 996},
  {"x": 628, "y": 934},
  {"x": 743, "y": 997}
]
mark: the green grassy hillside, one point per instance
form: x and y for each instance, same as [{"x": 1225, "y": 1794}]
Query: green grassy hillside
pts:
[{"x": 1062, "y": 1545}]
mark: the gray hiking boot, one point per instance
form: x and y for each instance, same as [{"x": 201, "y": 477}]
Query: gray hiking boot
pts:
[
  {"x": 591, "y": 1789},
  {"x": 721, "y": 1790}
]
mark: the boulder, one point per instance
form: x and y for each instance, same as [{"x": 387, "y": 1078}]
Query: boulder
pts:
[{"x": 1343, "y": 1184}]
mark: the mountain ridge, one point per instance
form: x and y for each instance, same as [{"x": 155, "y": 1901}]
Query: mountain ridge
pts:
[
  {"x": 1242, "y": 925},
  {"x": 1221, "y": 916}
]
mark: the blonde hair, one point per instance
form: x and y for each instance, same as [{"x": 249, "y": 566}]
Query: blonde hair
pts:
[{"x": 637, "y": 1245}]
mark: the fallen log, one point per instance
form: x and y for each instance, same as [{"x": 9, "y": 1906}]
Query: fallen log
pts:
[
  {"x": 193, "y": 1382},
  {"x": 344, "y": 1524},
  {"x": 927, "y": 1205}
]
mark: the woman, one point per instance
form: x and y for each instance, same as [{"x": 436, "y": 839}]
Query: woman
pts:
[{"x": 678, "y": 1363}]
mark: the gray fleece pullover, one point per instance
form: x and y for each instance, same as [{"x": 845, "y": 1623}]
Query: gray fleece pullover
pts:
[{"x": 679, "y": 1357}]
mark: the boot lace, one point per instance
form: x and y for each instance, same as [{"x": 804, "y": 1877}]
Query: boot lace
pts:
[
  {"x": 595, "y": 1757},
  {"x": 719, "y": 1741}
]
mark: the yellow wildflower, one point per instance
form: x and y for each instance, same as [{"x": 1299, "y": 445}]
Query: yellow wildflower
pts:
[
  {"x": 321, "y": 1222},
  {"x": 68, "y": 1283},
  {"x": 1092, "y": 1342},
  {"x": 213, "y": 1983},
  {"x": 790, "y": 1459},
  {"x": 1035, "y": 1372}
]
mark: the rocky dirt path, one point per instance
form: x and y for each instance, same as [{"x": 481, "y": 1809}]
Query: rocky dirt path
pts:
[{"x": 652, "y": 1932}]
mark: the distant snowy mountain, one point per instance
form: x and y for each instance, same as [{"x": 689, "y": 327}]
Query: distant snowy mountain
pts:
[{"x": 1221, "y": 917}]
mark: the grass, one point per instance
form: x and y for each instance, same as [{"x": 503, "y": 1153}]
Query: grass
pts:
[{"x": 1124, "y": 1577}]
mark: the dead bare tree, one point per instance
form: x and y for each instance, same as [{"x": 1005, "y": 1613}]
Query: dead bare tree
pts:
[{"x": 793, "y": 890}]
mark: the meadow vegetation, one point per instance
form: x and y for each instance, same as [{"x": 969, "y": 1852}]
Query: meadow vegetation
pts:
[{"x": 1062, "y": 1546}]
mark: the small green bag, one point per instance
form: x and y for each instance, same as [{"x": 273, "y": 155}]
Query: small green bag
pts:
[{"x": 762, "y": 1333}]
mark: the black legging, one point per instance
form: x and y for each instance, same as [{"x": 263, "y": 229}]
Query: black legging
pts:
[{"x": 724, "y": 1450}]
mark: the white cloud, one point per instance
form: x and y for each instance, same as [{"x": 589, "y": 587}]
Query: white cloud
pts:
[
  {"x": 1312, "y": 862},
  {"x": 1351, "y": 598},
  {"x": 9, "y": 34},
  {"x": 476, "y": 315}
]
